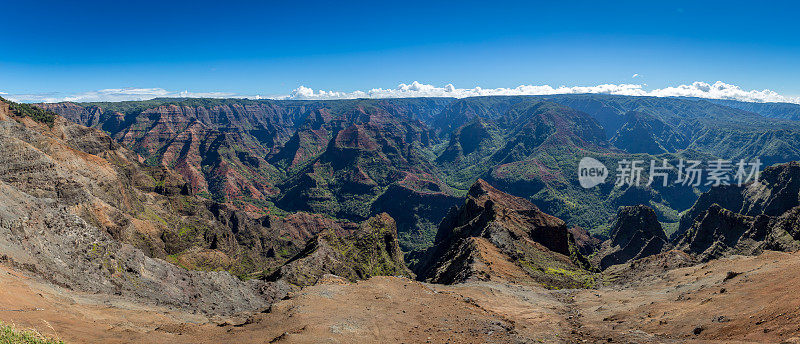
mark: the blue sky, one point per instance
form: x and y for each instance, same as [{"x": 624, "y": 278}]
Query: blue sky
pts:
[{"x": 248, "y": 48}]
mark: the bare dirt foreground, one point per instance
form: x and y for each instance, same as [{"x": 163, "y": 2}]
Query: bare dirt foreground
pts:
[{"x": 739, "y": 299}]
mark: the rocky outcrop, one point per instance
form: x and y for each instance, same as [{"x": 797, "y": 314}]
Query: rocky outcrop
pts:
[
  {"x": 785, "y": 231},
  {"x": 635, "y": 233},
  {"x": 719, "y": 232},
  {"x": 496, "y": 236},
  {"x": 745, "y": 219},
  {"x": 359, "y": 253},
  {"x": 775, "y": 193},
  {"x": 251, "y": 243},
  {"x": 584, "y": 241}
]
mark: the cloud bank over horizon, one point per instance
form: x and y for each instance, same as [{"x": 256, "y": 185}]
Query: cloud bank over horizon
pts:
[
  {"x": 698, "y": 89},
  {"x": 116, "y": 95}
]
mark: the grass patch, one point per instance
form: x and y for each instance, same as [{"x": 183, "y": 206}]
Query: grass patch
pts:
[{"x": 10, "y": 335}]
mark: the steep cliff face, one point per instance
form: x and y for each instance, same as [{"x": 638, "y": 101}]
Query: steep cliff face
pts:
[
  {"x": 87, "y": 116},
  {"x": 719, "y": 232},
  {"x": 248, "y": 244},
  {"x": 369, "y": 150},
  {"x": 333, "y": 157},
  {"x": 496, "y": 236},
  {"x": 77, "y": 219},
  {"x": 635, "y": 233},
  {"x": 776, "y": 192},
  {"x": 219, "y": 148},
  {"x": 745, "y": 220},
  {"x": 417, "y": 212},
  {"x": 371, "y": 249},
  {"x": 784, "y": 234}
]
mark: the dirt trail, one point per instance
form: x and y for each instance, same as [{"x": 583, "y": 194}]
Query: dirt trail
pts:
[
  {"x": 740, "y": 299},
  {"x": 77, "y": 317}
]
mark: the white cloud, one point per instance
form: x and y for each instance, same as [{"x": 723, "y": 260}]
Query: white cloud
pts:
[
  {"x": 635, "y": 76},
  {"x": 718, "y": 90},
  {"x": 117, "y": 94},
  {"x": 3, "y": 93}
]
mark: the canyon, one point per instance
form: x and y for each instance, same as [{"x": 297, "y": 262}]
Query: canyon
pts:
[{"x": 416, "y": 220}]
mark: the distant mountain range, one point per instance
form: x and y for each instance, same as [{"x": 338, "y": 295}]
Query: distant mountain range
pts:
[
  {"x": 415, "y": 158},
  {"x": 772, "y": 110}
]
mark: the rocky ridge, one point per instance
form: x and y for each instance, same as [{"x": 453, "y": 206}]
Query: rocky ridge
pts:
[
  {"x": 635, "y": 234},
  {"x": 496, "y": 236},
  {"x": 746, "y": 219},
  {"x": 359, "y": 253}
]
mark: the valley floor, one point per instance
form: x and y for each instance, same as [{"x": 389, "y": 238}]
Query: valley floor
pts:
[{"x": 737, "y": 299}]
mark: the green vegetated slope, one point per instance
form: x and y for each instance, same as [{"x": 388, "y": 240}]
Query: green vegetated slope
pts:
[
  {"x": 708, "y": 127},
  {"x": 10, "y": 335},
  {"x": 27, "y": 110},
  {"x": 532, "y": 149},
  {"x": 688, "y": 127}
]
